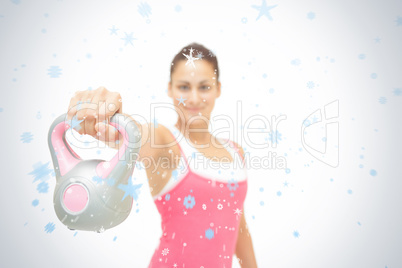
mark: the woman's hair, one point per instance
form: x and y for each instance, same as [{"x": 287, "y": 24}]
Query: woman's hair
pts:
[{"x": 199, "y": 51}]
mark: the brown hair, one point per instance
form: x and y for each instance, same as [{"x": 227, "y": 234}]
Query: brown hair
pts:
[{"x": 199, "y": 51}]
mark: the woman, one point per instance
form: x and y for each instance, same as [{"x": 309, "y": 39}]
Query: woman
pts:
[{"x": 201, "y": 206}]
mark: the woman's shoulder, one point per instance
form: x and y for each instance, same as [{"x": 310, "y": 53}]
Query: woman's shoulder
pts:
[
  {"x": 233, "y": 145},
  {"x": 165, "y": 133}
]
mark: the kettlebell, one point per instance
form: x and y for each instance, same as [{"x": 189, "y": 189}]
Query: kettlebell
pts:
[{"x": 89, "y": 194}]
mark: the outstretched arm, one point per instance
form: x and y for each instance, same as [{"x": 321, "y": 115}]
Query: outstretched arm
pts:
[{"x": 244, "y": 246}]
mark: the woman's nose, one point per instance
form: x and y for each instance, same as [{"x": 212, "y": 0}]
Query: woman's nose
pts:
[{"x": 194, "y": 97}]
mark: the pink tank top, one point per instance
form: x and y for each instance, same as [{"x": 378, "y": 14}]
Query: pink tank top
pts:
[{"x": 200, "y": 221}]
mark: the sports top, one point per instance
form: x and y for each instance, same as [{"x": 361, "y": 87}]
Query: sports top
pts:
[{"x": 200, "y": 213}]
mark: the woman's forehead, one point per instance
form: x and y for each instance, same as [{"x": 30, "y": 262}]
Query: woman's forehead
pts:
[{"x": 197, "y": 67}]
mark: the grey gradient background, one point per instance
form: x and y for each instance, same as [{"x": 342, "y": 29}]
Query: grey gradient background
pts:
[{"x": 345, "y": 217}]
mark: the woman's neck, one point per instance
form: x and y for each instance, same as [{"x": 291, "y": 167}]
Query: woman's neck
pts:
[{"x": 197, "y": 134}]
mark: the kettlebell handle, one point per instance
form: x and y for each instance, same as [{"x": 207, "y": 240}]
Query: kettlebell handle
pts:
[{"x": 64, "y": 158}]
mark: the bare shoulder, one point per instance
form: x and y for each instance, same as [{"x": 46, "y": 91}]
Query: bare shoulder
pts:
[
  {"x": 161, "y": 139},
  {"x": 163, "y": 134},
  {"x": 241, "y": 151}
]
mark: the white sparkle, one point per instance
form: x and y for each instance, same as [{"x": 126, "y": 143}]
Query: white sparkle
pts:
[{"x": 190, "y": 58}]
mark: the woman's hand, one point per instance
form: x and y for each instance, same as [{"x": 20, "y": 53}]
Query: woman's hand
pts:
[{"x": 95, "y": 108}]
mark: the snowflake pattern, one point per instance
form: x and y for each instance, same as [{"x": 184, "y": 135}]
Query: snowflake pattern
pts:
[
  {"x": 232, "y": 185},
  {"x": 26, "y": 137},
  {"x": 274, "y": 137},
  {"x": 310, "y": 84},
  {"x": 50, "y": 227},
  {"x": 190, "y": 58},
  {"x": 189, "y": 201},
  {"x": 209, "y": 234},
  {"x": 165, "y": 251}
]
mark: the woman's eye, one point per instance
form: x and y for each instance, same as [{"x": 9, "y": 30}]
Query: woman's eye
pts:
[
  {"x": 205, "y": 87},
  {"x": 183, "y": 87}
]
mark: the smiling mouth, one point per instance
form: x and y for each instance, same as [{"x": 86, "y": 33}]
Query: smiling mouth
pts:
[{"x": 193, "y": 110}]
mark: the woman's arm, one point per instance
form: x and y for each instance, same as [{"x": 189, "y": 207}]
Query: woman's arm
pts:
[{"x": 244, "y": 246}]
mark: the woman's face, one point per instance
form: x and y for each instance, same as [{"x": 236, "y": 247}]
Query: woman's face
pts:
[{"x": 194, "y": 91}]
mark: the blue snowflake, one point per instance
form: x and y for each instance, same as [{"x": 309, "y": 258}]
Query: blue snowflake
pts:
[
  {"x": 244, "y": 20},
  {"x": 54, "y": 71},
  {"x": 175, "y": 174},
  {"x": 79, "y": 105},
  {"x": 167, "y": 197},
  {"x": 35, "y": 202},
  {"x": 232, "y": 185},
  {"x": 310, "y": 84},
  {"x": 311, "y": 15},
  {"x": 189, "y": 201},
  {"x": 41, "y": 172},
  {"x": 130, "y": 189},
  {"x": 314, "y": 118},
  {"x": 399, "y": 21},
  {"x": 113, "y": 30},
  {"x": 128, "y": 39},
  {"x": 373, "y": 172},
  {"x": 264, "y": 10},
  {"x": 278, "y": 193},
  {"x": 274, "y": 136},
  {"x": 209, "y": 234},
  {"x": 43, "y": 187},
  {"x": 398, "y": 91},
  {"x": 156, "y": 123},
  {"x": 382, "y": 100},
  {"x": 138, "y": 165},
  {"x": 199, "y": 55},
  {"x": 26, "y": 137},
  {"x": 74, "y": 123},
  {"x": 50, "y": 227},
  {"x": 181, "y": 100},
  {"x": 350, "y": 191},
  {"x": 97, "y": 179},
  {"x": 306, "y": 123},
  {"x": 295, "y": 62},
  {"x": 177, "y": 8},
  {"x": 111, "y": 181},
  {"x": 373, "y": 75},
  {"x": 296, "y": 234},
  {"x": 144, "y": 9},
  {"x": 362, "y": 56}
]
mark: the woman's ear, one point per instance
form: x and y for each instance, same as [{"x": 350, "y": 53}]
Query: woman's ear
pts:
[
  {"x": 170, "y": 93},
  {"x": 218, "y": 89}
]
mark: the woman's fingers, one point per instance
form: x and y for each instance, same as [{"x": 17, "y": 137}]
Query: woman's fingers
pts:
[
  {"x": 106, "y": 132},
  {"x": 95, "y": 108}
]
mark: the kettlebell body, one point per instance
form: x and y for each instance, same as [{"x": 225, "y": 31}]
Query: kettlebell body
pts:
[{"x": 89, "y": 194}]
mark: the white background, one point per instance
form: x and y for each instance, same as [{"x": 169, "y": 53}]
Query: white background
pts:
[{"x": 350, "y": 50}]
